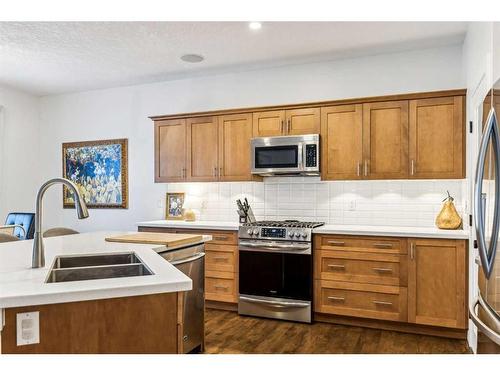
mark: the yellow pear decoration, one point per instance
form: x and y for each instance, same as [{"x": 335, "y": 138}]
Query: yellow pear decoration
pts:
[{"x": 448, "y": 217}]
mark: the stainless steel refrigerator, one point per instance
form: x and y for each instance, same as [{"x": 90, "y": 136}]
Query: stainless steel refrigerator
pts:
[{"x": 484, "y": 310}]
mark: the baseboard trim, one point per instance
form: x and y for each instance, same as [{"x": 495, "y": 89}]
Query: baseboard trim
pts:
[
  {"x": 419, "y": 329},
  {"x": 221, "y": 305}
]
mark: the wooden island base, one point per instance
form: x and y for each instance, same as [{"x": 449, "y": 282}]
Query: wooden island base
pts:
[{"x": 140, "y": 324}]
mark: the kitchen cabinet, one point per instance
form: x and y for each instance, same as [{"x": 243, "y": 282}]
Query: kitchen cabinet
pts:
[
  {"x": 235, "y": 132},
  {"x": 437, "y": 283},
  {"x": 385, "y": 140},
  {"x": 221, "y": 264},
  {"x": 341, "y": 142},
  {"x": 417, "y": 281},
  {"x": 170, "y": 150},
  {"x": 286, "y": 122},
  {"x": 436, "y": 147},
  {"x": 202, "y": 149}
]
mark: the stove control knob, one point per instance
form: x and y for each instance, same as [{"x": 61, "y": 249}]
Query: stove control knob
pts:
[
  {"x": 290, "y": 234},
  {"x": 304, "y": 235},
  {"x": 297, "y": 234},
  {"x": 250, "y": 232},
  {"x": 256, "y": 231}
]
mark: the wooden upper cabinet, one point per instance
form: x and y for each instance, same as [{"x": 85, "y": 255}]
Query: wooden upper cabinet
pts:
[
  {"x": 437, "y": 282},
  {"x": 302, "y": 121},
  {"x": 290, "y": 122},
  {"x": 268, "y": 124},
  {"x": 436, "y": 138},
  {"x": 202, "y": 146},
  {"x": 170, "y": 150},
  {"x": 385, "y": 140},
  {"x": 235, "y": 132},
  {"x": 341, "y": 142}
]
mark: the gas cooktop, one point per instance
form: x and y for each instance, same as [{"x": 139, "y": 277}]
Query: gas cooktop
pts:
[{"x": 284, "y": 224}]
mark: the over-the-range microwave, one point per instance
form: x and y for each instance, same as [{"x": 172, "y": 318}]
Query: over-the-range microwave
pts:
[{"x": 286, "y": 155}]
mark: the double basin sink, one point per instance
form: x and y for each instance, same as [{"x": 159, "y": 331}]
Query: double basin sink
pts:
[{"x": 97, "y": 266}]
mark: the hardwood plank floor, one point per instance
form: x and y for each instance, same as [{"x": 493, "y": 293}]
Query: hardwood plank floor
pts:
[{"x": 228, "y": 332}]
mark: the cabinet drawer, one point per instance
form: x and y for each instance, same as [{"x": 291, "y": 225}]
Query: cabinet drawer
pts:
[
  {"x": 220, "y": 260},
  {"x": 221, "y": 286},
  {"x": 223, "y": 238},
  {"x": 372, "y": 268},
  {"x": 384, "y": 245},
  {"x": 361, "y": 300}
]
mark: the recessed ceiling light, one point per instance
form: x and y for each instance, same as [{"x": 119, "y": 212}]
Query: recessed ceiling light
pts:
[
  {"x": 255, "y": 25},
  {"x": 192, "y": 58}
]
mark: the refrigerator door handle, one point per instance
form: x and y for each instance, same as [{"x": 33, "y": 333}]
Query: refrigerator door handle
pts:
[
  {"x": 487, "y": 254},
  {"x": 492, "y": 316}
]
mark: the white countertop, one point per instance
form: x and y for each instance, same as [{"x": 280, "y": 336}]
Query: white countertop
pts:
[
  {"x": 21, "y": 285},
  {"x": 393, "y": 231},
  {"x": 214, "y": 225},
  {"x": 367, "y": 230}
]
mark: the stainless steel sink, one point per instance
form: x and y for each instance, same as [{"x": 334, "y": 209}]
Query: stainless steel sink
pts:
[
  {"x": 72, "y": 261},
  {"x": 98, "y": 266}
]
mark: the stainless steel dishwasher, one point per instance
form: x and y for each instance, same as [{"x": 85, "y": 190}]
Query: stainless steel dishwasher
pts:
[{"x": 191, "y": 261}]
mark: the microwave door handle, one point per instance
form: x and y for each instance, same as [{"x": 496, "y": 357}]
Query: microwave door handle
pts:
[{"x": 300, "y": 155}]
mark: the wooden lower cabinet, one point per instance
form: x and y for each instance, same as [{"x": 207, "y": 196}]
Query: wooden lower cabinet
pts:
[
  {"x": 221, "y": 262},
  {"x": 437, "y": 283},
  {"x": 361, "y": 300},
  {"x": 420, "y": 281},
  {"x": 133, "y": 325}
]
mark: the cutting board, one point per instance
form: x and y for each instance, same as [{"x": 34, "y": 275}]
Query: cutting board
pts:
[{"x": 166, "y": 239}]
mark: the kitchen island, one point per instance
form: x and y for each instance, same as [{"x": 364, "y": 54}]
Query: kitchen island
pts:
[{"x": 140, "y": 314}]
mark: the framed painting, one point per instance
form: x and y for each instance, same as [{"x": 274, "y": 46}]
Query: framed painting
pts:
[
  {"x": 175, "y": 206},
  {"x": 100, "y": 170}
]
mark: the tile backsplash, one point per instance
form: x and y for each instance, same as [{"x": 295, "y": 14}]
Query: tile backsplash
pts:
[{"x": 395, "y": 202}]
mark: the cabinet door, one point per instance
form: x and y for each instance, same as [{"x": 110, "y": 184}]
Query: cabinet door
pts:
[
  {"x": 302, "y": 121},
  {"x": 436, "y": 138},
  {"x": 235, "y": 132},
  {"x": 268, "y": 124},
  {"x": 437, "y": 283},
  {"x": 202, "y": 142},
  {"x": 170, "y": 150},
  {"x": 341, "y": 142},
  {"x": 385, "y": 140}
]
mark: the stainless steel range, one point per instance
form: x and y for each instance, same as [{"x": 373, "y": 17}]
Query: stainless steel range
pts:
[{"x": 275, "y": 263}]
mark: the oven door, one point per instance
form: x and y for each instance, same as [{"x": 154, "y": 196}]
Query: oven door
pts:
[{"x": 276, "y": 269}]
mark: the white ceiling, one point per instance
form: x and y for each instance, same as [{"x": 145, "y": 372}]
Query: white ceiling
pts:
[{"x": 58, "y": 57}]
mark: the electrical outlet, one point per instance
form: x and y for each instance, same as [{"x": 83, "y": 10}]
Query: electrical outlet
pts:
[
  {"x": 28, "y": 328},
  {"x": 352, "y": 205}
]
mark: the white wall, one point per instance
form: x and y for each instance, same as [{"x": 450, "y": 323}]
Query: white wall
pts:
[
  {"x": 123, "y": 112},
  {"x": 19, "y": 151}
]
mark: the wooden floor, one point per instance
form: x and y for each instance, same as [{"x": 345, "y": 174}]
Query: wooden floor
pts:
[{"x": 227, "y": 332}]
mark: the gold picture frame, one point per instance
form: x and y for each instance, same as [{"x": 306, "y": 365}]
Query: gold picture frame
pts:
[
  {"x": 174, "y": 206},
  {"x": 114, "y": 172}
]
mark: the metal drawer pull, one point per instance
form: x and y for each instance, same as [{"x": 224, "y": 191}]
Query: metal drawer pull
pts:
[
  {"x": 382, "y": 303},
  {"x": 337, "y": 243},
  {"x": 221, "y": 287},
  {"x": 382, "y": 269},
  {"x": 224, "y": 238},
  {"x": 338, "y": 299},
  {"x": 381, "y": 245},
  {"x": 341, "y": 266}
]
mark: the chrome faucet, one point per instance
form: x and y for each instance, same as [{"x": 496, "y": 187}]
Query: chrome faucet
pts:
[{"x": 38, "y": 258}]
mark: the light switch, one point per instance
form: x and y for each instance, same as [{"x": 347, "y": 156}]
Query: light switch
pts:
[{"x": 28, "y": 328}]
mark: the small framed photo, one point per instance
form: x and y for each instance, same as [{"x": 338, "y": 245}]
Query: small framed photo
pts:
[{"x": 175, "y": 206}]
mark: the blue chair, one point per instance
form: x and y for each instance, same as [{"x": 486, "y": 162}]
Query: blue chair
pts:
[{"x": 26, "y": 220}]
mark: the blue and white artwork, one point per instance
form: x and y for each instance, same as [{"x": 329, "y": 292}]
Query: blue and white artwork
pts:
[{"x": 99, "y": 170}]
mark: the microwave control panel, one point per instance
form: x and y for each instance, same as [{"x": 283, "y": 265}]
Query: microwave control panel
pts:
[{"x": 311, "y": 156}]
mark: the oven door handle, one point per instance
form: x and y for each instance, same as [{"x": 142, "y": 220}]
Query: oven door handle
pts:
[
  {"x": 273, "y": 246},
  {"x": 275, "y": 303}
]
